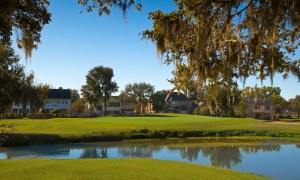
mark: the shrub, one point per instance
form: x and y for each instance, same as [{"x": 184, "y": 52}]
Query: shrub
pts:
[
  {"x": 204, "y": 111},
  {"x": 240, "y": 110},
  {"x": 39, "y": 116},
  {"x": 13, "y": 116},
  {"x": 55, "y": 111},
  {"x": 196, "y": 111}
]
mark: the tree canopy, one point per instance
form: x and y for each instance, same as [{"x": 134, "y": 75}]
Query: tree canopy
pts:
[
  {"x": 11, "y": 73},
  {"x": 99, "y": 86},
  {"x": 263, "y": 92},
  {"x": 139, "y": 93},
  {"x": 104, "y": 6},
  {"x": 224, "y": 41},
  {"x": 158, "y": 100},
  {"x": 295, "y": 105},
  {"x": 17, "y": 86},
  {"x": 26, "y": 18}
]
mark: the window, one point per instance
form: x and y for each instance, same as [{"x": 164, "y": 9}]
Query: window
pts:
[
  {"x": 116, "y": 112},
  {"x": 267, "y": 108},
  {"x": 173, "y": 104},
  {"x": 257, "y": 107},
  {"x": 114, "y": 104}
]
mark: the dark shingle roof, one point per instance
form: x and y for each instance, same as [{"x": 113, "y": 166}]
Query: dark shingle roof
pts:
[
  {"x": 175, "y": 96},
  {"x": 261, "y": 101},
  {"x": 59, "y": 94}
]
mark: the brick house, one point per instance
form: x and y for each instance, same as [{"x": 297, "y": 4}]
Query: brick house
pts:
[
  {"x": 261, "y": 108},
  {"x": 178, "y": 103}
]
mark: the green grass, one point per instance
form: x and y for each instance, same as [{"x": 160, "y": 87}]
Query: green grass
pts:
[
  {"x": 139, "y": 127},
  {"x": 113, "y": 169},
  {"x": 82, "y": 126}
]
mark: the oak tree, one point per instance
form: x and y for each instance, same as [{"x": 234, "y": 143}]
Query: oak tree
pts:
[
  {"x": 26, "y": 19},
  {"x": 140, "y": 93},
  {"x": 99, "y": 86}
]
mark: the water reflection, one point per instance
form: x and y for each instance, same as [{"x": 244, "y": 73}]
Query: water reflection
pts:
[
  {"x": 225, "y": 157},
  {"x": 221, "y": 156},
  {"x": 264, "y": 148},
  {"x": 238, "y": 156},
  {"x": 141, "y": 152},
  {"x": 94, "y": 153},
  {"x": 190, "y": 153}
]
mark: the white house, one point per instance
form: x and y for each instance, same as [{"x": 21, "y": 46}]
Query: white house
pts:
[
  {"x": 17, "y": 108},
  {"x": 58, "y": 99}
]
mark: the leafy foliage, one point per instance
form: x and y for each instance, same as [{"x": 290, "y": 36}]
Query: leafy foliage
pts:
[
  {"x": 139, "y": 93},
  {"x": 26, "y": 18},
  {"x": 74, "y": 95},
  {"x": 10, "y": 75},
  {"x": 295, "y": 105},
  {"x": 221, "y": 98},
  {"x": 158, "y": 100},
  {"x": 78, "y": 106},
  {"x": 99, "y": 85},
  {"x": 263, "y": 92},
  {"x": 240, "y": 109},
  {"x": 215, "y": 42},
  {"x": 202, "y": 111},
  {"x": 104, "y": 6}
]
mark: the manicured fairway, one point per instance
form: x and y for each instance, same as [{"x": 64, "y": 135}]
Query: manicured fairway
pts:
[
  {"x": 114, "y": 169},
  {"x": 90, "y": 126}
]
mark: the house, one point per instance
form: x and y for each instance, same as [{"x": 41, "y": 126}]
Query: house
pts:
[
  {"x": 178, "y": 103},
  {"x": 114, "y": 107},
  {"x": 261, "y": 108},
  {"x": 58, "y": 99},
  {"x": 17, "y": 108}
]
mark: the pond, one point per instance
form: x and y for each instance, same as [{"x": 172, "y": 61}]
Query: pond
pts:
[{"x": 271, "y": 159}]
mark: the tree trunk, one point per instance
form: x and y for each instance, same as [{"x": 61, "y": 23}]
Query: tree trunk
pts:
[
  {"x": 141, "y": 108},
  {"x": 105, "y": 108},
  {"x": 24, "y": 109}
]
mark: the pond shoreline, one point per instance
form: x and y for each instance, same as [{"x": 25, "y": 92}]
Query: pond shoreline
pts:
[{"x": 18, "y": 139}]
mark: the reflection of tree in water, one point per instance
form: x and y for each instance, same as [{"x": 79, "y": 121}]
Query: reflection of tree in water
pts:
[
  {"x": 94, "y": 153},
  {"x": 265, "y": 148},
  {"x": 225, "y": 157},
  {"x": 138, "y": 151},
  {"x": 190, "y": 153},
  {"x": 298, "y": 146}
]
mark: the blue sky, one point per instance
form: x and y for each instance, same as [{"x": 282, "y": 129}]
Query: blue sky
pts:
[{"x": 73, "y": 43}]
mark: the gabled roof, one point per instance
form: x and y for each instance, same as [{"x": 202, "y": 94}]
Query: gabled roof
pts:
[
  {"x": 175, "y": 96},
  {"x": 261, "y": 101},
  {"x": 59, "y": 94}
]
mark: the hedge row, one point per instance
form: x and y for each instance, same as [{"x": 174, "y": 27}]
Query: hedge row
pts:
[
  {"x": 27, "y": 139},
  {"x": 12, "y": 116},
  {"x": 36, "y": 116}
]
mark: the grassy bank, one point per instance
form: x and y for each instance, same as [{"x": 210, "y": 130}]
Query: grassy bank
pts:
[
  {"x": 58, "y": 130},
  {"x": 113, "y": 169}
]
